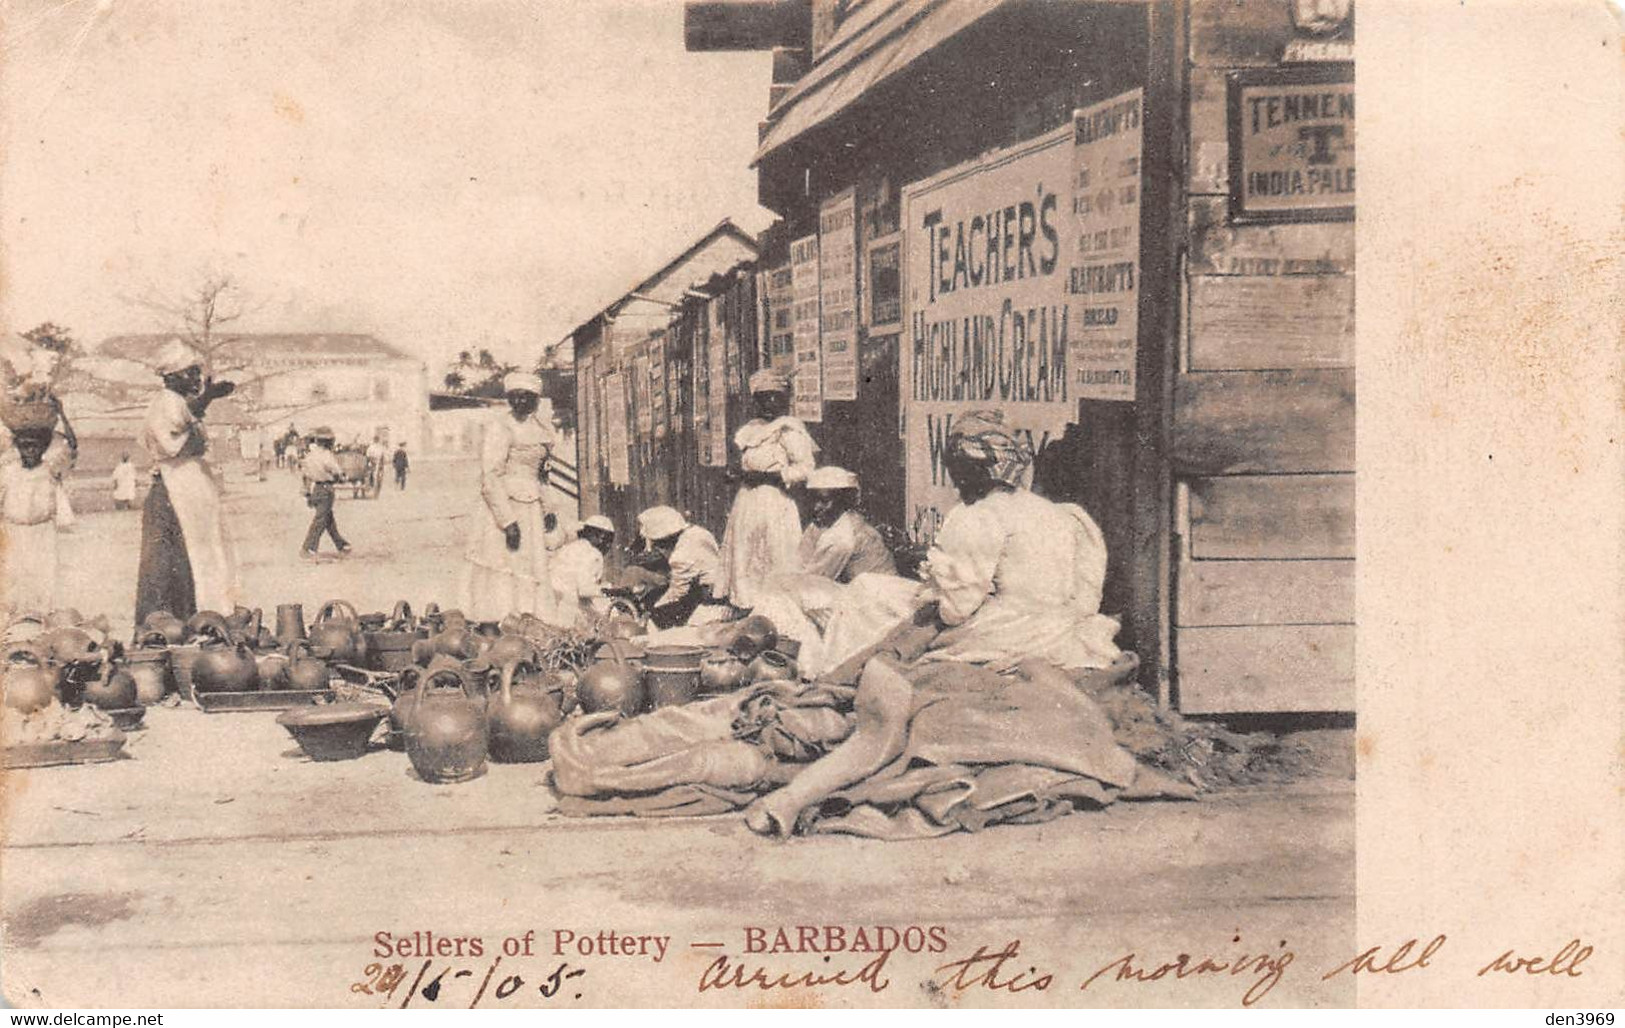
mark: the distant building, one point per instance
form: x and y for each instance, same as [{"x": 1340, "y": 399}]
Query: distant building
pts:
[{"x": 358, "y": 385}]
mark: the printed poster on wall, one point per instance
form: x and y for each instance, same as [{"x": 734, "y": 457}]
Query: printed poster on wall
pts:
[
  {"x": 781, "y": 318},
  {"x": 838, "y": 294},
  {"x": 1291, "y": 134},
  {"x": 716, "y": 454},
  {"x": 1105, "y": 276},
  {"x": 657, "y": 386},
  {"x": 615, "y": 435},
  {"x": 988, "y": 322},
  {"x": 807, "y": 380},
  {"x": 640, "y": 401}
]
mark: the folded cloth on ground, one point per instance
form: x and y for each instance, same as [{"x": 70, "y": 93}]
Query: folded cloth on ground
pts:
[{"x": 697, "y": 743}]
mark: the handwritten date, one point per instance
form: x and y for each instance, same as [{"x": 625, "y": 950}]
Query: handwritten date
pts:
[{"x": 385, "y": 980}]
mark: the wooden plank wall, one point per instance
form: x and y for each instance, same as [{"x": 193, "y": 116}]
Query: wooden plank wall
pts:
[{"x": 1263, "y": 446}]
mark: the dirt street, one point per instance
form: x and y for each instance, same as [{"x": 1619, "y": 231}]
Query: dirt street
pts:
[{"x": 217, "y": 866}]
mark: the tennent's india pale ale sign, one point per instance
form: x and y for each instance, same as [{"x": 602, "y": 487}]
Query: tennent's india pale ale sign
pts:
[{"x": 1292, "y": 144}]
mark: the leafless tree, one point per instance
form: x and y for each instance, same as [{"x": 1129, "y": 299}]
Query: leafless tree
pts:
[{"x": 204, "y": 316}]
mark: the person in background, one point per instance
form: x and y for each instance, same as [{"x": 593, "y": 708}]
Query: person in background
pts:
[
  {"x": 578, "y": 573},
  {"x": 401, "y": 466},
  {"x": 507, "y": 553},
  {"x": 764, "y": 527},
  {"x": 1014, "y": 575},
  {"x": 322, "y": 470},
  {"x": 376, "y": 452},
  {"x": 30, "y": 485},
  {"x": 186, "y": 564},
  {"x": 840, "y": 544},
  {"x": 251, "y": 444},
  {"x": 124, "y": 484},
  {"x": 693, "y": 569}
]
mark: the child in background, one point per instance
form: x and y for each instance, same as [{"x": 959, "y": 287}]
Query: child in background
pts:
[{"x": 124, "y": 484}]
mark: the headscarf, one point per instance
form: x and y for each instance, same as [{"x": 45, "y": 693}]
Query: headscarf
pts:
[
  {"x": 601, "y": 523},
  {"x": 766, "y": 380},
  {"x": 175, "y": 356},
  {"x": 982, "y": 436},
  {"x": 522, "y": 382},
  {"x": 830, "y": 478},
  {"x": 660, "y": 522}
]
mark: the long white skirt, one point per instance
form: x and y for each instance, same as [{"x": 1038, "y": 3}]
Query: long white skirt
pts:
[
  {"x": 760, "y": 542},
  {"x": 27, "y": 570},
  {"x": 501, "y": 581}
]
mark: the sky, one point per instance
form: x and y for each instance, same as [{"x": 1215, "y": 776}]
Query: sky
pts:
[{"x": 445, "y": 174}]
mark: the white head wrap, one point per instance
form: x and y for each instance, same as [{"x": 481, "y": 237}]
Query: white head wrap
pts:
[
  {"x": 660, "y": 522},
  {"x": 599, "y": 522},
  {"x": 175, "y": 356},
  {"x": 831, "y": 478},
  {"x": 522, "y": 382}
]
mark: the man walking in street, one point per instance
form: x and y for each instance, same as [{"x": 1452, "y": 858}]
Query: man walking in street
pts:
[
  {"x": 321, "y": 470},
  {"x": 401, "y": 464}
]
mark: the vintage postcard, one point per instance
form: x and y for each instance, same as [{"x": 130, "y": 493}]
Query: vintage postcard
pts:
[{"x": 812, "y": 503}]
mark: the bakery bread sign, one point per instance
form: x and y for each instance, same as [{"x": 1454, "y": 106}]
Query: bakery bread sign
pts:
[{"x": 1292, "y": 144}]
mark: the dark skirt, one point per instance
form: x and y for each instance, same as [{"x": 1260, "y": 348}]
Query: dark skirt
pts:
[{"x": 164, "y": 581}]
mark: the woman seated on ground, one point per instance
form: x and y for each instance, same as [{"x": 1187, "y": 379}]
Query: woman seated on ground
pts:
[
  {"x": 1014, "y": 575},
  {"x": 693, "y": 566}
]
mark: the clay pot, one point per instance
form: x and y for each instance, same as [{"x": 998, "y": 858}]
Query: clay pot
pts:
[
  {"x": 305, "y": 673},
  {"x": 337, "y": 634},
  {"x": 206, "y": 621},
  {"x": 611, "y": 685},
  {"x": 28, "y": 681},
  {"x": 167, "y": 625},
  {"x": 508, "y": 649},
  {"x": 522, "y": 714},
  {"x": 400, "y": 711},
  {"x": 721, "y": 671},
  {"x": 754, "y": 635},
  {"x": 69, "y": 645},
  {"x": 332, "y": 731},
  {"x": 114, "y": 690},
  {"x": 290, "y": 623},
  {"x": 671, "y": 674},
  {"x": 150, "y": 669},
  {"x": 446, "y": 729},
  {"x": 771, "y": 666},
  {"x": 67, "y": 617},
  {"x": 222, "y": 666}
]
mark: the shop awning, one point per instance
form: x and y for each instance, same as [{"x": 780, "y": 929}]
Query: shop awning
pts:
[{"x": 868, "y": 50}]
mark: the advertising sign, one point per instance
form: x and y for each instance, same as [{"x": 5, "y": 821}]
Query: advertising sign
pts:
[
  {"x": 781, "y": 324},
  {"x": 1292, "y": 144},
  {"x": 615, "y": 435},
  {"x": 838, "y": 294},
  {"x": 883, "y": 295},
  {"x": 807, "y": 380},
  {"x": 1104, "y": 279},
  {"x": 988, "y": 319},
  {"x": 657, "y": 386},
  {"x": 717, "y": 361}
]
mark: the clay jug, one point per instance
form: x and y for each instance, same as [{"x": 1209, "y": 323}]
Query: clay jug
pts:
[
  {"x": 114, "y": 689},
  {"x": 305, "y": 673},
  {"x": 406, "y": 694},
  {"x": 70, "y": 645},
  {"x": 171, "y": 628},
  {"x": 28, "y": 681},
  {"x": 150, "y": 669},
  {"x": 612, "y": 685},
  {"x": 446, "y": 729},
  {"x": 506, "y": 649},
  {"x": 721, "y": 671},
  {"x": 754, "y": 635},
  {"x": 290, "y": 623},
  {"x": 222, "y": 666},
  {"x": 522, "y": 714},
  {"x": 771, "y": 666},
  {"x": 205, "y": 620},
  {"x": 337, "y": 633}
]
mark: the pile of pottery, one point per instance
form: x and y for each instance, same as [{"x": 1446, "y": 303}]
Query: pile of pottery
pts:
[{"x": 66, "y": 660}]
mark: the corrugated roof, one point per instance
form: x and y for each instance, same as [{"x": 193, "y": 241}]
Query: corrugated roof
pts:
[
  {"x": 270, "y": 346},
  {"x": 864, "y": 53}
]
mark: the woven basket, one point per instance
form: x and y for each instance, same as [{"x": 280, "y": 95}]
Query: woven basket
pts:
[{"x": 21, "y": 415}]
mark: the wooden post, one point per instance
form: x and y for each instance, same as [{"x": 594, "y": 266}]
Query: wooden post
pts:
[{"x": 1163, "y": 234}]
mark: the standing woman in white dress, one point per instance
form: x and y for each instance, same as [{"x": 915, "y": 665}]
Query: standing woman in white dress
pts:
[
  {"x": 508, "y": 560},
  {"x": 764, "y": 527}
]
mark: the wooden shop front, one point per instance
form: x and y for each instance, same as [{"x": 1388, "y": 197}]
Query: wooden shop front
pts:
[{"x": 1128, "y": 225}]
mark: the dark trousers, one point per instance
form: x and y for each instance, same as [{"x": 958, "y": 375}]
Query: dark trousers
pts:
[
  {"x": 321, "y": 500},
  {"x": 400, "y": 478}
]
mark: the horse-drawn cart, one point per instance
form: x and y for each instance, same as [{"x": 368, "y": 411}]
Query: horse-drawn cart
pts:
[{"x": 362, "y": 477}]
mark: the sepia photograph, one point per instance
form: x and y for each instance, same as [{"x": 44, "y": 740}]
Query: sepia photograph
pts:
[{"x": 667, "y": 503}]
